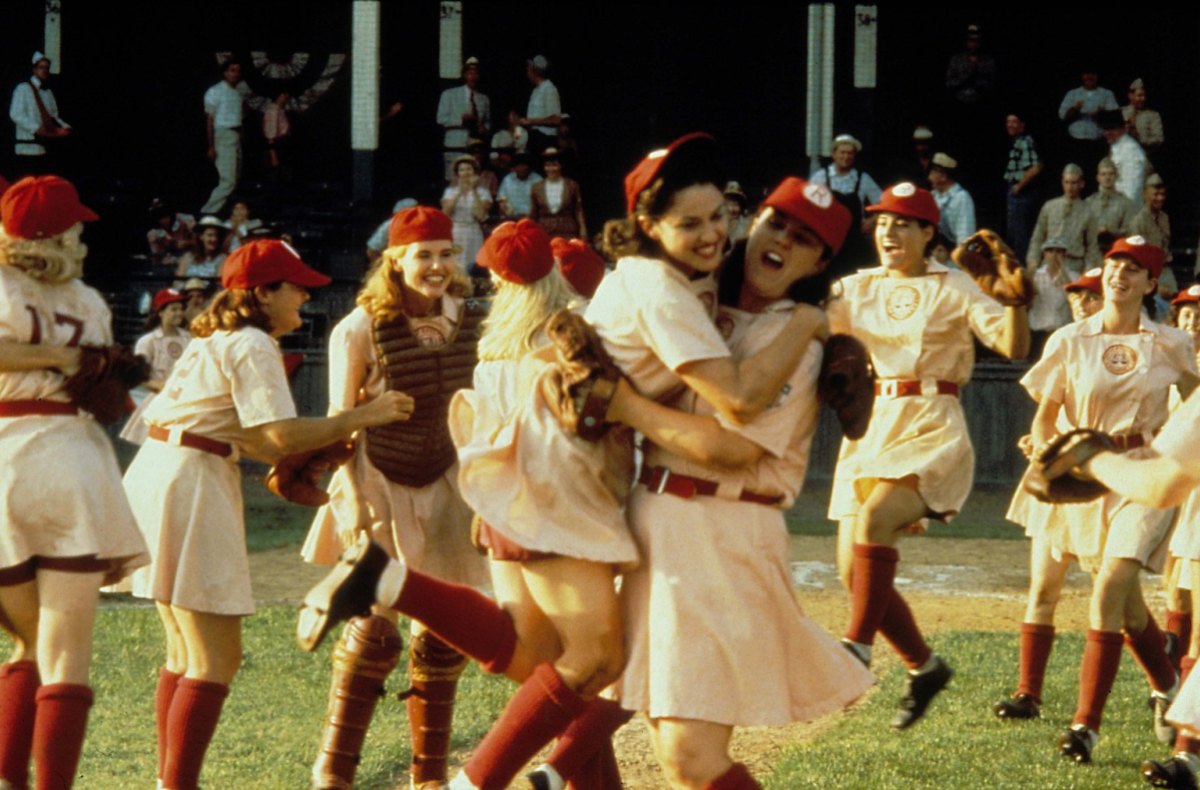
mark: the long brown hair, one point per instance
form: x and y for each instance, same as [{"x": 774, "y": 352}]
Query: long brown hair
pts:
[{"x": 230, "y": 310}]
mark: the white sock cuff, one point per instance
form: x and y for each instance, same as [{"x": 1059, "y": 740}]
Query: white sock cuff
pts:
[{"x": 391, "y": 582}]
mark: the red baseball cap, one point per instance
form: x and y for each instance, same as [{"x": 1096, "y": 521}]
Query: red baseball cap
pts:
[
  {"x": 1187, "y": 295},
  {"x": 38, "y": 207},
  {"x": 906, "y": 199},
  {"x": 647, "y": 170},
  {"x": 518, "y": 252},
  {"x": 815, "y": 206},
  {"x": 1149, "y": 256},
  {"x": 419, "y": 223},
  {"x": 582, "y": 266},
  {"x": 1088, "y": 281},
  {"x": 267, "y": 261},
  {"x": 165, "y": 297}
]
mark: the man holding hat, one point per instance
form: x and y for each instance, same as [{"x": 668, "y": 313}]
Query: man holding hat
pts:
[
  {"x": 34, "y": 113},
  {"x": 1144, "y": 125},
  {"x": 464, "y": 113},
  {"x": 545, "y": 109},
  {"x": 955, "y": 203}
]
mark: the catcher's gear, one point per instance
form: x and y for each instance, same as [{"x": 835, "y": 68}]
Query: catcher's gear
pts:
[
  {"x": 995, "y": 267},
  {"x": 1053, "y": 474},
  {"x": 584, "y": 380},
  {"x": 105, "y": 376},
  {"x": 847, "y": 383},
  {"x": 297, "y": 478}
]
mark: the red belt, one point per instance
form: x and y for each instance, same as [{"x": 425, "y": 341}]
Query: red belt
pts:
[
  {"x": 901, "y": 388},
  {"x": 661, "y": 480},
  {"x": 192, "y": 440},
  {"x": 23, "y": 408},
  {"x": 1128, "y": 441}
]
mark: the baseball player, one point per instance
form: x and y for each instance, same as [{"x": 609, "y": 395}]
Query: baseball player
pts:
[
  {"x": 162, "y": 345},
  {"x": 412, "y": 331},
  {"x": 227, "y": 395},
  {"x": 68, "y": 528},
  {"x": 917, "y": 318}
]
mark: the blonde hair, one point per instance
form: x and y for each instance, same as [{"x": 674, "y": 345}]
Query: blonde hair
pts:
[
  {"x": 518, "y": 313},
  {"x": 382, "y": 294},
  {"x": 56, "y": 259},
  {"x": 230, "y": 310}
]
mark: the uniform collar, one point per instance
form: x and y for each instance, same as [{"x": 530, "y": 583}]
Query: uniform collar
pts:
[
  {"x": 931, "y": 267},
  {"x": 1093, "y": 325}
]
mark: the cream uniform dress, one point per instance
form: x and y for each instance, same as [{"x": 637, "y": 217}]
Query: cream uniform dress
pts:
[
  {"x": 1185, "y": 538},
  {"x": 163, "y": 351},
  {"x": 915, "y": 328},
  {"x": 1118, "y": 384},
  {"x": 428, "y": 527},
  {"x": 713, "y": 597},
  {"x": 59, "y": 480},
  {"x": 188, "y": 502},
  {"x": 551, "y": 492}
]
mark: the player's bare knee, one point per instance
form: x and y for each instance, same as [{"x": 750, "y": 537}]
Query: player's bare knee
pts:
[{"x": 688, "y": 765}]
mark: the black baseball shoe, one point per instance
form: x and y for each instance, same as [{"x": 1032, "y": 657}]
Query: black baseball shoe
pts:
[
  {"x": 1175, "y": 773},
  {"x": 1077, "y": 743},
  {"x": 347, "y": 591},
  {"x": 1020, "y": 706},
  {"x": 538, "y": 780},
  {"x": 922, "y": 689}
]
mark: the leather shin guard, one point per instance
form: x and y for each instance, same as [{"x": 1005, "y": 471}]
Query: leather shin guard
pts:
[
  {"x": 433, "y": 671},
  {"x": 367, "y": 652}
]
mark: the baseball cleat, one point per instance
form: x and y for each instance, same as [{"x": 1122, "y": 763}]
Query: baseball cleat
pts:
[
  {"x": 1174, "y": 773},
  {"x": 1020, "y": 706},
  {"x": 922, "y": 689},
  {"x": 1077, "y": 743},
  {"x": 858, "y": 652},
  {"x": 1164, "y": 731},
  {"x": 346, "y": 591},
  {"x": 538, "y": 780}
]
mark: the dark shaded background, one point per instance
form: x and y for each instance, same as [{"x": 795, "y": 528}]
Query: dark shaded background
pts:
[{"x": 631, "y": 75}]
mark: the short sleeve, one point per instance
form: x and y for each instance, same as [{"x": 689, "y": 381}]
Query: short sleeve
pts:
[
  {"x": 349, "y": 360},
  {"x": 986, "y": 316},
  {"x": 1047, "y": 377},
  {"x": 145, "y": 346},
  {"x": 677, "y": 328},
  {"x": 259, "y": 385},
  {"x": 774, "y": 428},
  {"x": 210, "y": 101}
]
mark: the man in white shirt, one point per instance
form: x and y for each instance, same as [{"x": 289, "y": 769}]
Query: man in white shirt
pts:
[
  {"x": 955, "y": 203},
  {"x": 464, "y": 113},
  {"x": 1127, "y": 155},
  {"x": 517, "y": 188},
  {"x": 1079, "y": 109},
  {"x": 223, "y": 125},
  {"x": 34, "y": 113},
  {"x": 544, "y": 112},
  {"x": 855, "y": 190}
]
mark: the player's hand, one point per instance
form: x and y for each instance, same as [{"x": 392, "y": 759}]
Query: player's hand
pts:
[
  {"x": 1025, "y": 445},
  {"x": 391, "y": 406},
  {"x": 71, "y": 356}
]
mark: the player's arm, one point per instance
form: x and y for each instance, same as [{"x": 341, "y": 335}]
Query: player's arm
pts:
[
  {"x": 273, "y": 441},
  {"x": 37, "y": 356},
  {"x": 1045, "y": 421},
  {"x": 1160, "y": 481}
]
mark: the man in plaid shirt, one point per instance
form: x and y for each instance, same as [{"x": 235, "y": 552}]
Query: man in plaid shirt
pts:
[{"x": 1022, "y": 168}]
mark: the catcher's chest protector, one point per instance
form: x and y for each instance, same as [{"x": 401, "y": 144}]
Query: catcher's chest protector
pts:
[{"x": 415, "y": 452}]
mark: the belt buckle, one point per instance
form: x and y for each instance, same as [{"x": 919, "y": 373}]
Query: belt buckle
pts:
[
  {"x": 889, "y": 388},
  {"x": 663, "y": 474}
]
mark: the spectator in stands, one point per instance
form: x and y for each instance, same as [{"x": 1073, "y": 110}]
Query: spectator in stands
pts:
[
  {"x": 736, "y": 205},
  {"x": 1080, "y": 108},
  {"x": 487, "y": 178},
  {"x": 520, "y": 137},
  {"x": 922, "y": 143},
  {"x": 1112, "y": 210},
  {"x": 556, "y": 202},
  {"x": 971, "y": 74},
  {"x": 500, "y": 159},
  {"x": 171, "y": 234},
  {"x": 1126, "y": 154},
  {"x": 1024, "y": 166},
  {"x": 468, "y": 205},
  {"x": 377, "y": 242},
  {"x": 1050, "y": 308},
  {"x": 34, "y": 113},
  {"x": 517, "y": 188},
  {"x": 276, "y": 129},
  {"x": 1067, "y": 219},
  {"x": 567, "y": 145},
  {"x": 545, "y": 109},
  {"x": 223, "y": 127},
  {"x": 1144, "y": 125},
  {"x": 1153, "y": 225},
  {"x": 196, "y": 291},
  {"x": 240, "y": 225},
  {"x": 855, "y": 190},
  {"x": 464, "y": 113},
  {"x": 205, "y": 259},
  {"x": 955, "y": 203}
]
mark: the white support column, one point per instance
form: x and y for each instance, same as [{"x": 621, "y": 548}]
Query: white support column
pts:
[
  {"x": 364, "y": 96},
  {"x": 52, "y": 46},
  {"x": 450, "y": 47},
  {"x": 819, "y": 116}
]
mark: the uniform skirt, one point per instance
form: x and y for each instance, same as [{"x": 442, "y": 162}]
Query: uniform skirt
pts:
[
  {"x": 1185, "y": 541},
  {"x": 428, "y": 527},
  {"x": 1113, "y": 527},
  {"x": 713, "y": 599},
  {"x": 188, "y": 504},
  {"x": 60, "y": 490}
]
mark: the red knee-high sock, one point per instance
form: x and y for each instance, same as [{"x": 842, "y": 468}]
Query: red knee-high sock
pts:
[
  {"x": 1149, "y": 648},
  {"x": 900, "y": 630},
  {"x": 1101, "y": 657},
  {"x": 541, "y": 709},
  {"x": 1182, "y": 742},
  {"x": 1180, "y": 624},
  {"x": 462, "y": 616},
  {"x": 195, "y": 710},
  {"x": 19, "y": 683},
  {"x": 600, "y": 773},
  {"x": 1037, "y": 641},
  {"x": 575, "y": 755},
  {"x": 62, "y": 712},
  {"x": 736, "y": 778},
  {"x": 167, "y": 681},
  {"x": 873, "y": 572}
]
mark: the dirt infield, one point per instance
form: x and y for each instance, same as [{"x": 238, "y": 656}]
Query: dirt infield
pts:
[{"x": 951, "y": 583}]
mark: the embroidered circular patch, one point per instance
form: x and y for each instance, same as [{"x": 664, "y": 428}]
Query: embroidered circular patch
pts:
[
  {"x": 819, "y": 195},
  {"x": 1119, "y": 359},
  {"x": 174, "y": 349},
  {"x": 903, "y": 302},
  {"x": 430, "y": 336}
]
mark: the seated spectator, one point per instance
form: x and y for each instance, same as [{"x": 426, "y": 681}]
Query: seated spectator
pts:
[
  {"x": 377, "y": 242},
  {"x": 1153, "y": 225},
  {"x": 736, "y": 204},
  {"x": 171, "y": 235},
  {"x": 240, "y": 225},
  {"x": 196, "y": 291},
  {"x": 955, "y": 203},
  {"x": 556, "y": 202},
  {"x": 922, "y": 159},
  {"x": 487, "y": 177},
  {"x": 567, "y": 145},
  {"x": 516, "y": 189},
  {"x": 940, "y": 249},
  {"x": 1067, "y": 219},
  {"x": 1050, "y": 308},
  {"x": 1144, "y": 125},
  {"x": 1112, "y": 210},
  {"x": 205, "y": 258}
]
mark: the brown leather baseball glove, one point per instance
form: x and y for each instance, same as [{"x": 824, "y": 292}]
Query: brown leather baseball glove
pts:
[
  {"x": 106, "y": 375},
  {"x": 1054, "y": 474},
  {"x": 847, "y": 383},
  {"x": 995, "y": 267},
  {"x": 297, "y": 478},
  {"x": 584, "y": 380}
]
